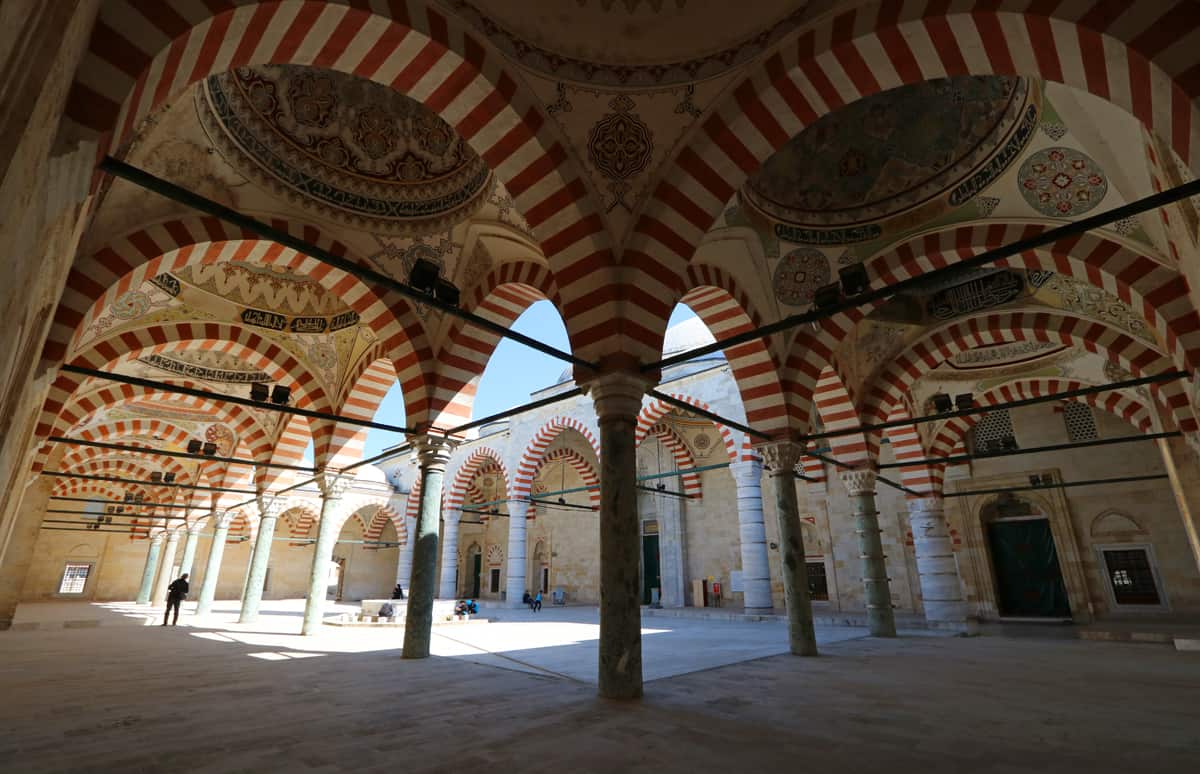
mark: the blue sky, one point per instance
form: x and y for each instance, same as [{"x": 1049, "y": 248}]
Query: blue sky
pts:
[{"x": 511, "y": 375}]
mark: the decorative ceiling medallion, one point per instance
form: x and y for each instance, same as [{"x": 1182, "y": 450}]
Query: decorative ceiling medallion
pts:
[
  {"x": 798, "y": 275},
  {"x": 223, "y": 437},
  {"x": 620, "y": 146},
  {"x": 1062, "y": 182},
  {"x": 353, "y": 150},
  {"x": 897, "y": 150}
]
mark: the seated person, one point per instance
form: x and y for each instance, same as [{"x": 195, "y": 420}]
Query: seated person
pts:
[
  {"x": 460, "y": 608},
  {"x": 527, "y": 600},
  {"x": 472, "y": 608}
]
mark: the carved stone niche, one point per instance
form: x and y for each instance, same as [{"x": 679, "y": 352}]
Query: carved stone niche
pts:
[{"x": 1113, "y": 526}]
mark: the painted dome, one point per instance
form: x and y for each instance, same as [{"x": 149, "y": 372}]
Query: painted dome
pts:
[
  {"x": 353, "y": 150},
  {"x": 892, "y": 151}
]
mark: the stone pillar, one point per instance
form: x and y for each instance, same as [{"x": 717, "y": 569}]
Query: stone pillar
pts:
[
  {"x": 333, "y": 488},
  {"x": 756, "y": 573},
  {"x": 1180, "y": 459},
  {"x": 514, "y": 581},
  {"x": 212, "y": 569},
  {"x": 448, "y": 582},
  {"x": 672, "y": 542},
  {"x": 165, "y": 569},
  {"x": 189, "y": 551},
  {"x": 781, "y": 459},
  {"x": 860, "y": 484},
  {"x": 269, "y": 509},
  {"x": 151, "y": 568},
  {"x": 19, "y": 552},
  {"x": 618, "y": 399},
  {"x": 433, "y": 454},
  {"x": 941, "y": 587}
]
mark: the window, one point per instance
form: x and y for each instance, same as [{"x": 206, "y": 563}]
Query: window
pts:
[
  {"x": 1081, "y": 425},
  {"x": 494, "y": 585},
  {"x": 818, "y": 585},
  {"x": 74, "y": 578},
  {"x": 995, "y": 432},
  {"x": 1131, "y": 577}
]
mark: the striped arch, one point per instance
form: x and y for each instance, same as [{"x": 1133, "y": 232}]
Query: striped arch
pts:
[
  {"x": 412, "y": 506},
  {"x": 66, "y": 487},
  {"x": 583, "y": 468},
  {"x": 532, "y": 457},
  {"x": 1152, "y": 290},
  {"x": 481, "y": 460},
  {"x": 259, "y": 352},
  {"x": 411, "y": 47},
  {"x": 99, "y": 279},
  {"x": 382, "y": 517},
  {"x": 655, "y": 410},
  {"x": 934, "y": 348},
  {"x": 835, "y": 408},
  {"x": 82, "y": 455},
  {"x": 364, "y": 393},
  {"x": 241, "y": 526},
  {"x": 717, "y": 300},
  {"x": 906, "y": 445},
  {"x": 502, "y": 296},
  {"x": 950, "y": 435},
  {"x": 682, "y": 455}
]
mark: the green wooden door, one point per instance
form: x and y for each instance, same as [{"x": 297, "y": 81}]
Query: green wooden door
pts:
[
  {"x": 651, "y": 577},
  {"x": 476, "y": 568},
  {"x": 1028, "y": 579}
]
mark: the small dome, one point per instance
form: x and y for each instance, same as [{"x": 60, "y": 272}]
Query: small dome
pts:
[
  {"x": 371, "y": 474},
  {"x": 689, "y": 334}
]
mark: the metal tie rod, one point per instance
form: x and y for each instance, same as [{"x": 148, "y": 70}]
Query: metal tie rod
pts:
[
  {"x": 114, "y": 479},
  {"x": 171, "y": 191},
  {"x": 148, "y": 450},
  {"x": 955, "y": 458},
  {"x": 683, "y": 404},
  {"x": 1075, "y": 228}
]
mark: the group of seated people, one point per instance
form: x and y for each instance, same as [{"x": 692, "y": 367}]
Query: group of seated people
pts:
[
  {"x": 534, "y": 602},
  {"x": 466, "y": 607}
]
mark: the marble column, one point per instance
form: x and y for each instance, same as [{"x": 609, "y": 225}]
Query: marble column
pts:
[
  {"x": 514, "y": 581},
  {"x": 166, "y": 568},
  {"x": 860, "y": 484},
  {"x": 1182, "y": 461},
  {"x": 333, "y": 488},
  {"x": 151, "y": 568},
  {"x": 212, "y": 569},
  {"x": 189, "y": 551},
  {"x": 672, "y": 547},
  {"x": 756, "y": 573},
  {"x": 433, "y": 454},
  {"x": 269, "y": 509},
  {"x": 18, "y": 553},
  {"x": 781, "y": 459},
  {"x": 937, "y": 569},
  {"x": 618, "y": 399},
  {"x": 448, "y": 582}
]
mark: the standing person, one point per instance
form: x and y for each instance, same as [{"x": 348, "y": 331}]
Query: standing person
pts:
[
  {"x": 176, "y": 593},
  {"x": 398, "y": 592},
  {"x": 537, "y": 602}
]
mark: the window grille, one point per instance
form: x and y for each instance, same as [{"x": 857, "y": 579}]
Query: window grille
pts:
[
  {"x": 995, "y": 432},
  {"x": 1131, "y": 577},
  {"x": 818, "y": 584},
  {"x": 1081, "y": 425},
  {"x": 74, "y": 578}
]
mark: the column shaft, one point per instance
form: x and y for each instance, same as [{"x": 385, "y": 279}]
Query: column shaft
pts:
[
  {"x": 781, "y": 459},
  {"x": 756, "y": 573},
  {"x": 332, "y": 489},
  {"x": 151, "y": 568},
  {"x": 448, "y": 582},
  {"x": 165, "y": 569},
  {"x": 941, "y": 587},
  {"x": 1180, "y": 459},
  {"x": 189, "y": 552},
  {"x": 514, "y": 581},
  {"x": 418, "y": 622},
  {"x": 212, "y": 569},
  {"x": 258, "y": 569},
  {"x": 18, "y": 554},
  {"x": 618, "y": 399},
  {"x": 404, "y": 563},
  {"x": 880, "y": 618}
]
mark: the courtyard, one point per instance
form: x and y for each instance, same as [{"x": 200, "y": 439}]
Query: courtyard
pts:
[{"x": 96, "y": 683}]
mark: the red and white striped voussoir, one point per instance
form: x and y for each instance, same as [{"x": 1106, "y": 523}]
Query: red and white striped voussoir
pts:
[
  {"x": 655, "y": 410},
  {"x": 835, "y": 408},
  {"x": 684, "y": 460},
  {"x": 952, "y": 432},
  {"x": 83, "y": 455},
  {"x": 66, "y": 487},
  {"x": 808, "y": 356},
  {"x": 906, "y": 445},
  {"x": 1151, "y": 288},
  {"x": 367, "y": 390},
  {"x": 585, "y": 470},
  {"x": 1137, "y": 55},
  {"x": 531, "y": 458},
  {"x": 477, "y": 462},
  {"x": 384, "y": 515},
  {"x": 301, "y": 519},
  {"x": 995, "y": 328},
  {"x": 405, "y": 44},
  {"x": 293, "y": 437},
  {"x": 124, "y": 428}
]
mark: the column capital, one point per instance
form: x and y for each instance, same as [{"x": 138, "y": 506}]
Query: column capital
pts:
[
  {"x": 173, "y": 536},
  {"x": 193, "y": 530},
  {"x": 270, "y": 507},
  {"x": 333, "y": 485},
  {"x": 618, "y": 395},
  {"x": 859, "y": 480},
  {"x": 221, "y": 518},
  {"x": 929, "y": 504},
  {"x": 433, "y": 451},
  {"x": 157, "y": 537},
  {"x": 781, "y": 457}
]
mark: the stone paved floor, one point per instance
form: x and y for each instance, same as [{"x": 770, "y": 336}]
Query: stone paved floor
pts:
[{"x": 258, "y": 698}]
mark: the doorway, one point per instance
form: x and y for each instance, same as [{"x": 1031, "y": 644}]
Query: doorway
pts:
[
  {"x": 476, "y": 569},
  {"x": 337, "y": 576},
  {"x": 1029, "y": 581},
  {"x": 651, "y": 575}
]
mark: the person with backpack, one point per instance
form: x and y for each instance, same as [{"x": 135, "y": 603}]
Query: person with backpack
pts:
[
  {"x": 176, "y": 593},
  {"x": 537, "y": 602}
]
